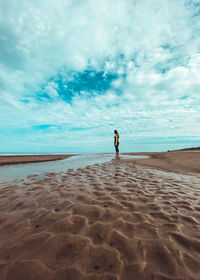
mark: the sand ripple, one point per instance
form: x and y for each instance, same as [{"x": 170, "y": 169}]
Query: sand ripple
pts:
[{"x": 106, "y": 222}]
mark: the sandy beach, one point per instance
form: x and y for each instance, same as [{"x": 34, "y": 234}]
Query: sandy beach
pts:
[
  {"x": 5, "y": 160},
  {"x": 177, "y": 161},
  {"x": 121, "y": 220}
]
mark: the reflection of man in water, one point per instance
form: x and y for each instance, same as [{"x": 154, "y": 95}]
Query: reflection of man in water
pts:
[{"x": 116, "y": 142}]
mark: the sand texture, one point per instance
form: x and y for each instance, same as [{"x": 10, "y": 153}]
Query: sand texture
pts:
[
  {"x": 5, "y": 160},
  {"x": 108, "y": 221},
  {"x": 179, "y": 161}
]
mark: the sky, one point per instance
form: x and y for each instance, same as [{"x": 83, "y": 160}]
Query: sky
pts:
[{"x": 72, "y": 71}]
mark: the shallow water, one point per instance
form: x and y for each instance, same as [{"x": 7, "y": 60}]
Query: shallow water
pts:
[
  {"x": 131, "y": 156},
  {"x": 21, "y": 171}
]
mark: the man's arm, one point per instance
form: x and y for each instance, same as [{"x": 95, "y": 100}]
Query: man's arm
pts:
[{"x": 116, "y": 140}]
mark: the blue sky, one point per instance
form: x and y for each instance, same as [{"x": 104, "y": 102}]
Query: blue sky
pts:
[{"x": 72, "y": 71}]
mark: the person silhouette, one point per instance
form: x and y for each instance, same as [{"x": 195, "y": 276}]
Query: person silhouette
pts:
[{"x": 116, "y": 142}]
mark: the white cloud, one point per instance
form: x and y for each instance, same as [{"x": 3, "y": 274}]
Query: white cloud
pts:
[{"x": 51, "y": 89}]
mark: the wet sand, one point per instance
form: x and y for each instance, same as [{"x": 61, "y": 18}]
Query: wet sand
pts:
[
  {"x": 5, "y": 160},
  {"x": 113, "y": 221}
]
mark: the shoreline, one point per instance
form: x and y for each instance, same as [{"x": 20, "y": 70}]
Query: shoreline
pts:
[
  {"x": 187, "y": 160},
  {"x": 20, "y": 159},
  {"x": 173, "y": 161}
]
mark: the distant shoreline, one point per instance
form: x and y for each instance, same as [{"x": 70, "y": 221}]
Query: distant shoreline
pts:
[
  {"x": 170, "y": 160},
  {"x": 19, "y": 159},
  {"x": 186, "y": 149}
]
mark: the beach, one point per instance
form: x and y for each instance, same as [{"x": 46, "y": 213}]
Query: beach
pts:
[
  {"x": 15, "y": 159},
  {"x": 187, "y": 161},
  {"x": 124, "y": 219}
]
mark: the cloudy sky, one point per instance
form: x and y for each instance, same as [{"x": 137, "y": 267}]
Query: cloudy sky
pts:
[{"x": 71, "y": 71}]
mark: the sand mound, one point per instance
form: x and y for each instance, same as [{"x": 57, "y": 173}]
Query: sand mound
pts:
[{"x": 106, "y": 222}]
